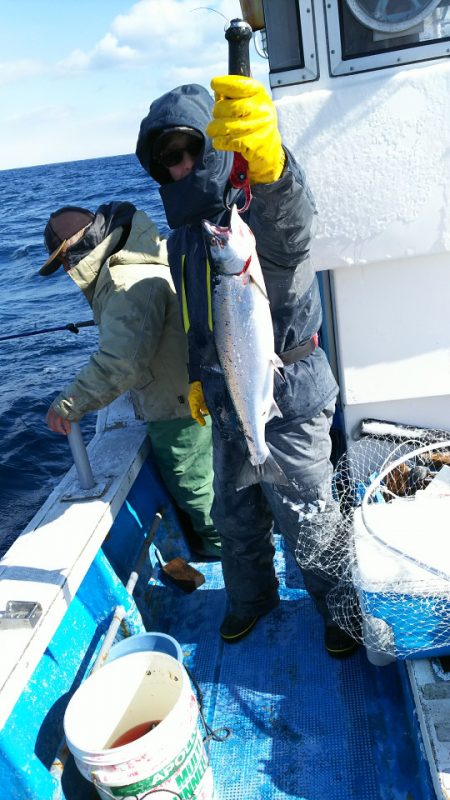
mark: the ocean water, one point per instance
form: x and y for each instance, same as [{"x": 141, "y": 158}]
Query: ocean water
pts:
[{"x": 34, "y": 369}]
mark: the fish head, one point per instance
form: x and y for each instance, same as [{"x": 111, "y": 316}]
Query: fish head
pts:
[{"x": 230, "y": 247}]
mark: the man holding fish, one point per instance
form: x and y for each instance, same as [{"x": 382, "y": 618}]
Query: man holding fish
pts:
[{"x": 251, "y": 310}]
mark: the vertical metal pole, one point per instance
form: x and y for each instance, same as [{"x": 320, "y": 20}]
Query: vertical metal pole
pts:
[
  {"x": 120, "y": 613},
  {"x": 80, "y": 457}
]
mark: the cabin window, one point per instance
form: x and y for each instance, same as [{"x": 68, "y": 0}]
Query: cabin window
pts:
[
  {"x": 372, "y": 34},
  {"x": 289, "y": 29}
]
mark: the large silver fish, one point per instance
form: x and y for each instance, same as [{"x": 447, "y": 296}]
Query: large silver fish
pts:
[{"x": 243, "y": 334}]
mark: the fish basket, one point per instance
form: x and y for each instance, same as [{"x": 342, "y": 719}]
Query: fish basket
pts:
[
  {"x": 389, "y": 555},
  {"x": 401, "y": 558}
]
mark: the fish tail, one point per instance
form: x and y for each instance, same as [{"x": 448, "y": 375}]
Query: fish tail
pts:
[{"x": 269, "y": 472}]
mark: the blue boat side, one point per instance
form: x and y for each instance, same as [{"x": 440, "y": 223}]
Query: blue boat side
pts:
[{"x": 302, "y": 724}]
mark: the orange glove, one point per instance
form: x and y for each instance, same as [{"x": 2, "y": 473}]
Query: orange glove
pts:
[
  {"x": 56, "y": 423},
  {"x": 245, "y": 121},
  {"x": 197, "y": 402}
]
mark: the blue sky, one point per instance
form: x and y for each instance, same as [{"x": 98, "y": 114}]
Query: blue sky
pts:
[{"x": 77, "y": 76}]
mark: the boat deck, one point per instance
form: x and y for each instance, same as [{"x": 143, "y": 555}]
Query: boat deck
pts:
[{"x": 303, "y": 724}]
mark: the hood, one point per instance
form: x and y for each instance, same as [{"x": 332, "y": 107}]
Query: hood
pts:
[
  {"x": 200, "y": 194},
  {"x": 108, "y": 217},
  {"x": 107, "y": 234}
]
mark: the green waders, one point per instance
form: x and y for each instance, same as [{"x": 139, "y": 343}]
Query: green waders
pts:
[{"x": 183, "y": 454}]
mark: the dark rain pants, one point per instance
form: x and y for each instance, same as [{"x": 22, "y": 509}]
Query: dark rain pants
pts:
[
  {"x": 246, "y": 518},
  {"x": 183, "y": 454}
]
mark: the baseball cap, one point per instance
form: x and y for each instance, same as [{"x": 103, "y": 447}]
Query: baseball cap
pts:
[{"x": 66, "y": 227}]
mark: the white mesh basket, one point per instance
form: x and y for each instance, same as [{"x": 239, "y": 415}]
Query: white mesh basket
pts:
[{"x": 390, "y": 554}]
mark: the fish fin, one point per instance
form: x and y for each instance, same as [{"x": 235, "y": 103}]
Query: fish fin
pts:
[
  {"x": 274, "y": 411},
  {"x": 278, "y": 365},
  {"x": 261, "y": 285},
  {"x": 269, "y": 471}
]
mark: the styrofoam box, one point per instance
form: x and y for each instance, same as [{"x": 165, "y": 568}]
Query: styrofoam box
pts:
[{"x": 402, "y": 591}]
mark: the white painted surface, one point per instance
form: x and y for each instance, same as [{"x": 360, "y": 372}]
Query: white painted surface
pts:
[
  {"x": 430, "y": 413},
  {"x": 431, "y": 690},
  {"x": 393, "y": 330},
  {"x": 49, "y": 560},
  {"x": 413, "y": 527},
  {"x": 376, "y": 150},
  {"x": 117, "y": 414}
]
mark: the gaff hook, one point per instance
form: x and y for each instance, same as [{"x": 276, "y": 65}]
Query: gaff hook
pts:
[{"x": 238, "y": 36}]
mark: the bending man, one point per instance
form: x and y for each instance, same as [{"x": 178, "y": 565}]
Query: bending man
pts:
[{"x": 118, "y": 260}]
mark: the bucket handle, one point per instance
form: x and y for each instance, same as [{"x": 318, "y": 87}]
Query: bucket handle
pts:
[{"x": 217, "y": 735}]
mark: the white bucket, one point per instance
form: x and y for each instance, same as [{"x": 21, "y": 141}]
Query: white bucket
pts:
[
  {"x": 134, "y": 690},
  {"x": 152, "y": 640}
]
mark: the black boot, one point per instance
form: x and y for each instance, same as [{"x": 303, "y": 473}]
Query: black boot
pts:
[
  {"x": 338, "y": 643},
  {"x": 234, "y": 628}
]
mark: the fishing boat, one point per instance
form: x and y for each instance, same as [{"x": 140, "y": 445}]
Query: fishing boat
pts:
[{"x": 359, "y": 87}]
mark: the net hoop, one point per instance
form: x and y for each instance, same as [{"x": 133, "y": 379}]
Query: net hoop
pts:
[{"x": 376, "y": 485}]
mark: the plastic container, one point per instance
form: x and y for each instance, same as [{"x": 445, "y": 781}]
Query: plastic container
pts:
[
  {"x": 151, "y": 641},
  {"x": 117, "y": 704},
  {"x": 404, "y": 600}
]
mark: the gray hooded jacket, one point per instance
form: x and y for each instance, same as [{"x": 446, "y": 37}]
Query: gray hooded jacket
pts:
[{"x": 280, "y": 216}]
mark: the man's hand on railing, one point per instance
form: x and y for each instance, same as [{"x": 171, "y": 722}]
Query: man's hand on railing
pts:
[{"x": 56, "y": 423}]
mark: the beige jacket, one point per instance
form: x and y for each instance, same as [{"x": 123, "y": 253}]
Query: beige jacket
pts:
[{"x": 142, "y": 346}]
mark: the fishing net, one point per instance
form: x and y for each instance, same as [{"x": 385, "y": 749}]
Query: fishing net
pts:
[{"x": 388, "y": 555}]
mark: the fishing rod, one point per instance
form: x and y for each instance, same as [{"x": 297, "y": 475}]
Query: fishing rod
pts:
[{"x": 73, "y": 327}]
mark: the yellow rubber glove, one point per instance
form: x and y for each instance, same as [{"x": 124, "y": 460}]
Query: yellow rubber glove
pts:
[
  {"x": 197, "y": 402},
  {"x": 245, "y": 121}
]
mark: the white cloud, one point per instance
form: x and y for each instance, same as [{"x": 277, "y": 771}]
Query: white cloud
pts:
[
  {"x": 175, "y": 37},
  {"x": 13, "y": 71},
  {"x": 176, "y": 33},
  {"x": 168, "y": 20},
  {"x": 108, "y": 52},
  {"x": 159, "y": 44},
  {"x": 33, "y": 119}
]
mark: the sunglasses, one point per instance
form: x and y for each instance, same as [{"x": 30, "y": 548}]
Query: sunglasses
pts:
[{"x": 171, "y": 158}]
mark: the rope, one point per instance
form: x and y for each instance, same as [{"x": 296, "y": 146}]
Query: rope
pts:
[
  {"x": 211, "y": 735},
  {"x": 73, "y": 327}
]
